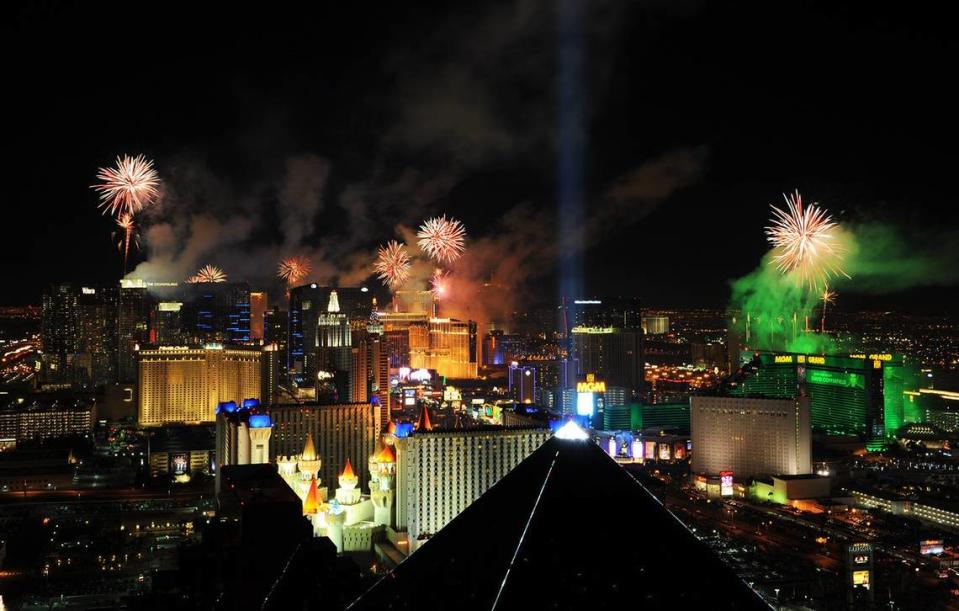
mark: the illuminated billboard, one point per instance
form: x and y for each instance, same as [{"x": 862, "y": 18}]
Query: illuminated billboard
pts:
[
  {"x": 725, "y": 483},
  {"x": 931, "y": 547},
  {"x": 836, "y": 378},
  {"x": 860, "y": 578},
  {"x": 178, "y": 464},
  {"x": 585, "y": 402}
]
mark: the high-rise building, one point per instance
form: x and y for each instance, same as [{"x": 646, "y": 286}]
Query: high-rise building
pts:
[
  {"x": 446, "y": 345},
  {"x": 339, "y": 432},
  {"x": 522, "y": 383},
  {"x": 359, "y": 362},
  {"x": 217, "y": 312},
  {"x": 258, "y": 307},
  {"x": 396, "y": 331},
  {"x": 96, "y": 363},
  {"x": 612, "y": 354},
  {"x": 169, "y": 324},
  {"x": 333, "y": 351},
  {"x": 181, "y": 384},
  {"x": 307, "y": 303},
  {"x": 618, "y": 312},
  {"x": 276, "y": 332},
  {"x": 378, "y": 371},
  {"x": 136, "y": 305},
  {"x": 271, "y": 375},
  {"x": 58, "y": 333},
  {"x": 440, "y": 473},
  {"x": 750, "y": 437},
  {"x": 79, "y": 335}
]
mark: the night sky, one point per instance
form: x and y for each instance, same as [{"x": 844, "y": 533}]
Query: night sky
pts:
[{"x": 415, "y": 109}]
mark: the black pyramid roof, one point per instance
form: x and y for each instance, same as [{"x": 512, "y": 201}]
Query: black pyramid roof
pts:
[{"x": 568, "y": 528}]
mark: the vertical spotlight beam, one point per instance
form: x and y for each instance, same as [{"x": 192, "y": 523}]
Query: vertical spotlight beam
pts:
[{"x": 572, "y": 144}]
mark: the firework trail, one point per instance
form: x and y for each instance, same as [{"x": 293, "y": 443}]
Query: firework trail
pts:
[
  {"x": 392, "y": 265},
  {"x": 827, "y": 297},
  {"x": 293, "y": 269},
  {"x": 442, "y": 239},
  {"x": 207, "y": 273},
  {"x": 128, "y": 187},
  {"x": 804, "y": 242},
  {"x": 438, "y": 285},
  {"x": 126, "y": 224}
]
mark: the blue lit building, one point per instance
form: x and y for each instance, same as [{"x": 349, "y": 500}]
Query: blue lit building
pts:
[{"x": 216, "y": 312}]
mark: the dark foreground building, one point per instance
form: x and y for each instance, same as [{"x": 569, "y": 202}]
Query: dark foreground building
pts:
[{"x": 543, "y": 537}]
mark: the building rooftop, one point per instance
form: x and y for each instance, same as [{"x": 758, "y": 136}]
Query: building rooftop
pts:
[
  {"x": 543, "y": 534},
  {"x": 800, "y": 476},
  {"x": 249, "y": 484}
]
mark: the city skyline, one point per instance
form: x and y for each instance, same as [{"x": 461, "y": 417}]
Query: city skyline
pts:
[{"x": 564, "y": 304}]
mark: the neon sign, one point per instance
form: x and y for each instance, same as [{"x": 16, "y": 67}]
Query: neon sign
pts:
[
  {"x": 726, "y": 483},
  {"x": 591, "y": 385}
]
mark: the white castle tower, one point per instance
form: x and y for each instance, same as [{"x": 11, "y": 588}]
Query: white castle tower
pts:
[
  {"x": 348, "y": 493},
  {"x": 382, "y": 479},
  {"x": 300, "y": 472}
]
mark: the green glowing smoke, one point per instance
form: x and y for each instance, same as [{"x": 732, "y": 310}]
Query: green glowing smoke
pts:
[
  {"x": 878, "y": 257},
  {"x": 775, "y": 307},
  {"x": 884, "y": 259}
]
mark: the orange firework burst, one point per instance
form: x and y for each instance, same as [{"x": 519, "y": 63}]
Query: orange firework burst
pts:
[
  {"x": 207, "y": 273},
  {"x": 439, "y": 287},
  {"x": 392, "y": 264},
  {"x": 442, "y": 239},
  {"x": 128, "y": 187},
  {"x": 126, "y": 224},
  {"x": 804, "y": 242},
  {"x": 293, "y": 269}
]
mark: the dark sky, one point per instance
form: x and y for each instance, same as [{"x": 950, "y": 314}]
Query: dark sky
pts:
[{"x": 415, "y": 109}]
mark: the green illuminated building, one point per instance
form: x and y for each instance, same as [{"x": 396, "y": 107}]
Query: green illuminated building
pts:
[
  {"x": 635, "y": 417},
  {"x": 858, "y": 394}
]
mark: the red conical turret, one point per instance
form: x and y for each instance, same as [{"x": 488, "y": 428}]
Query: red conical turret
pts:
[{"x": 424, "y": 422}]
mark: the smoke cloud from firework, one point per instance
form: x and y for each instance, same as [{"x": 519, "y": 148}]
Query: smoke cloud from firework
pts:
[
  {"x": 456, "y": 114},
  {"x": 247, "y": 231},
  {"x": 879, "y": 257}
]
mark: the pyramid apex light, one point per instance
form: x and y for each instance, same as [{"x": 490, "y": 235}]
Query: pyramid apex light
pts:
[{"x": 571, "y": 431}]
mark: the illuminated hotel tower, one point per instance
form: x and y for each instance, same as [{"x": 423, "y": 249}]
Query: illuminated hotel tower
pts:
[
  {"x": 180, "y": 384},
  {"x": 428, "y": 462}
]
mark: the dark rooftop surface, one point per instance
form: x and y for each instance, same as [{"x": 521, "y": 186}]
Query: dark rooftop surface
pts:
[
  {"x": 183, "y": 438},
  {"x": 559, "y": 532},
  {"x": 249, "y": 484}
]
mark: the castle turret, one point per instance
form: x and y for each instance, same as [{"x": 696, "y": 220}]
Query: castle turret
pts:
[
  {"x": 260, "y": 430},
  {"x": 309, "y": 462},
  {"x": 424, "y": 423},
  {"x": 348, "y": 493},
  {"x": 382, "y": 474}
]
